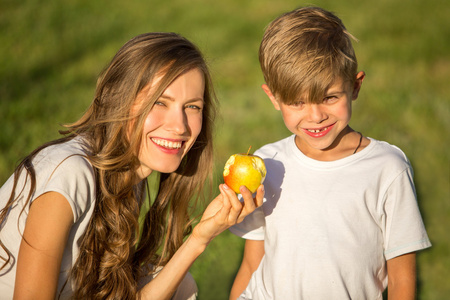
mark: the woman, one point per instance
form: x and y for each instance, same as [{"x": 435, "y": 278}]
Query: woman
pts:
[{"x": 69, "y": 218}]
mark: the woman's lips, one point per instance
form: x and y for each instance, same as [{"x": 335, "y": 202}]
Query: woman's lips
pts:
[{"x": 318, "y": 132}]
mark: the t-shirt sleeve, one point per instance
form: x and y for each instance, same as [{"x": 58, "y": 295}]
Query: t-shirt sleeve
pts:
[
  {"x": 73, "y": 178},
  {"x": 252, "y": 227},
  {"x": 404, "y": 228}
]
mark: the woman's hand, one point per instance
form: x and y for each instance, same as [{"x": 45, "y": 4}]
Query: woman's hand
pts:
[{"x": 225, "y": 211}]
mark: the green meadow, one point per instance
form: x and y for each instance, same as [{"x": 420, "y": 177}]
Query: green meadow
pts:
[{"x": 52, "y": 51}]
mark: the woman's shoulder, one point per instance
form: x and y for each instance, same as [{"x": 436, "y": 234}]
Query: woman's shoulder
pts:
[
  {"x": 70, "y": 154},
  {"x": 65, "y": 168}
]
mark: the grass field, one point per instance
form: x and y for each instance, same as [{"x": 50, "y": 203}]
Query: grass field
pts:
[{"x": 52, "y": 52}]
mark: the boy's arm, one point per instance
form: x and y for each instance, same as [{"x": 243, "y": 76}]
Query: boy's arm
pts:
[
  {"x": 253, "y": 253},
  {"x": 402, "y": 277}
]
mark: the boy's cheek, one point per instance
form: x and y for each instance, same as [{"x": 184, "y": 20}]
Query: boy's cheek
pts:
[{"x": 290, "y": 119}]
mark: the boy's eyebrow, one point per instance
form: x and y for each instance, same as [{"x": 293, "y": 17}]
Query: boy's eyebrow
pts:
[
  {"x": 334, "y": 92},
  {"x": 337, "y": 90}
]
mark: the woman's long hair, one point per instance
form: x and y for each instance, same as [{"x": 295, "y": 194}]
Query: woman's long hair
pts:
[{"x": 111, "y": 261}]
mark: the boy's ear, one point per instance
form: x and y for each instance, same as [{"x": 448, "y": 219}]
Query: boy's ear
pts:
[
  {"x": 272, "y": 98},
  {"x": 358, "y": 82}
]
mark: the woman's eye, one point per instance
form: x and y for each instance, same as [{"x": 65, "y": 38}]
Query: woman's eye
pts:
[{"x": 193, "y": 106}]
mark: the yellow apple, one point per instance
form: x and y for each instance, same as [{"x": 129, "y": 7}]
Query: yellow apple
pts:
[{"x": 244, "y": 169}]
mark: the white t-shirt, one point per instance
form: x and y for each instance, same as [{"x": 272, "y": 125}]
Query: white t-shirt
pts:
[
  {"x": 60, "y": 168},
  {"x": 329, "y": 227}
]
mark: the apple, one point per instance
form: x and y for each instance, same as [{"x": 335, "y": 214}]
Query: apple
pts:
[{"x": 244, "y": 169}]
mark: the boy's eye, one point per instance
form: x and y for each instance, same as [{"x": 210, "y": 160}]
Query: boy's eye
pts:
[
  {"x": 330, "y": 99},
  {"x": 298, "y": 104}
]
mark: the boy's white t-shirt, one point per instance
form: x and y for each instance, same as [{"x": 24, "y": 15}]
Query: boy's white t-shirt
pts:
[
  {"x": 329, "y": 227},
  {"x": 60, "y": 168}
]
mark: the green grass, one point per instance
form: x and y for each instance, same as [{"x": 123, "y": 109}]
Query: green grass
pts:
[{"x": 52, "y": 52}]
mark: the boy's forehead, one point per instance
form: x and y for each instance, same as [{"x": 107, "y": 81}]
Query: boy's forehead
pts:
[
  {"x": 338, "y": 85},
  {"x": 314, "y": 94}
]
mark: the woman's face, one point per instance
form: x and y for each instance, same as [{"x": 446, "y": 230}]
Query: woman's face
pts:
[{"x": 173, "y": 124}]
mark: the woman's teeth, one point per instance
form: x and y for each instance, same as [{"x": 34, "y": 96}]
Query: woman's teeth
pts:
[{"x": 167, "y": 144}]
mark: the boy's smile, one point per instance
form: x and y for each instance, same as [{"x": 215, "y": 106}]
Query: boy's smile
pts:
[
  {"x": 321, "y": 128},
  {"x": 318, "y": 132}
]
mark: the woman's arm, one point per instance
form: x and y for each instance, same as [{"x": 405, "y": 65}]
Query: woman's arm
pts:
[
  {"x": 402, "y": 277},
  {"x": 253, "y": 254},
  {"x": 44, "y": 238},
  {"x": 223, "y": 212}
]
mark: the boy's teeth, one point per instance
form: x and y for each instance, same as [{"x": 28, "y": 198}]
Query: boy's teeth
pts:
[
  {"x": 317, "y": 130},
  {"x": 167, "y": 144}
]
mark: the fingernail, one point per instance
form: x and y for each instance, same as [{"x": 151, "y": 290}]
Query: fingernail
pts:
[{"x": 225, "y": 186}]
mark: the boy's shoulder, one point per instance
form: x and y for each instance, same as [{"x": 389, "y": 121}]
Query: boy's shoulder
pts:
[
  {"x": 383, "y": 157},
  {"x": 386, "y": 150}
]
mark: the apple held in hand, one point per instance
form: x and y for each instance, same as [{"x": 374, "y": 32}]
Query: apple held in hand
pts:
[{"x": 244, "y": 169}]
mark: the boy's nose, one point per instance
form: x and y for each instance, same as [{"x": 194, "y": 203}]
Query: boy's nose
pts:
[{"x": 316, "y": 113}]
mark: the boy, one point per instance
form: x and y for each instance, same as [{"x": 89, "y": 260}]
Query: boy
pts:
[{"x": 340, "y": 218}]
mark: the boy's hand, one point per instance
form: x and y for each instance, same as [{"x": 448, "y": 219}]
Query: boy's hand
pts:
[{"x": 225, "y": 211}]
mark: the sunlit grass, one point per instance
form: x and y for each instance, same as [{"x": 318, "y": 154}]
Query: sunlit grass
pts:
[{"x": 52, "y": 52}]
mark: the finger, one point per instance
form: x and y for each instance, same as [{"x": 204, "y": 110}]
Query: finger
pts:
[
  {"x": 213, "y": 208},
  {"x": 225, "y": 197},
  {"x": 259, "y": 196},
  {"x": 232, "y": 196},
  {"x": 235, "y": 203},
  {"x": 223, "y": 213},
  {"x": 249, "y": 203}
]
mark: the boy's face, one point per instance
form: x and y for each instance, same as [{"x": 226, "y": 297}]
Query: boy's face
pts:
[{"x": 321, "y": 127}]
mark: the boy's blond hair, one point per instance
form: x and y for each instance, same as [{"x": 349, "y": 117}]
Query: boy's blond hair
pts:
[{"x": 303, "y": 52}]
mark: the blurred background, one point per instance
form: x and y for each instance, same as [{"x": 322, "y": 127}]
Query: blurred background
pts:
[{"x": 52, "y": 51}]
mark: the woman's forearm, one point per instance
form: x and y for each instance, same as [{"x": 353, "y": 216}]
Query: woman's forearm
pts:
[
  {"x": 224, "y": 211},
  {"x": 164, "y": 285}
]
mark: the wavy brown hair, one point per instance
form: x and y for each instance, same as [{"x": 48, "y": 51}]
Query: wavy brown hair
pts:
[{"x": 111, "y": 259}]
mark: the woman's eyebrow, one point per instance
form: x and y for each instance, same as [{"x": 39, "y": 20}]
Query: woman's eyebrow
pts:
[{"x": 167, "y": 97}]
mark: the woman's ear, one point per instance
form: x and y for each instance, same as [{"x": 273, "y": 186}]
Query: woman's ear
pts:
[
  {"x": 358, "y": 83},
  {"x": 272, "y": 98}
]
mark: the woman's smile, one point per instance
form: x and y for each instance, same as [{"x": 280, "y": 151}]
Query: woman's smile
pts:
[{"x": 167, "y": 144}]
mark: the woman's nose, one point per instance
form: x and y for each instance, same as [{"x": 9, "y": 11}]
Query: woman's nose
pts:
[{"x": 176, "y": 121}]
